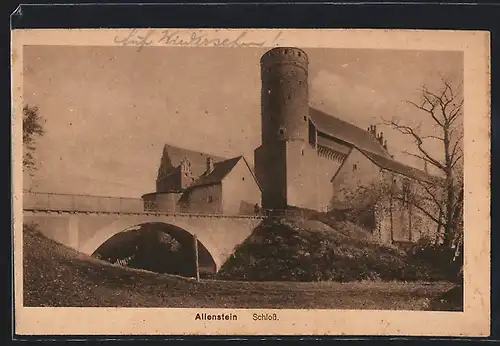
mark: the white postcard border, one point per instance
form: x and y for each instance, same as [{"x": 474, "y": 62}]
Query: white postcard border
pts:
[{"x": 474, "y": 321}]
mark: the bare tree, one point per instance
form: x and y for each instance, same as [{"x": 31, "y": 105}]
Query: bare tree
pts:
[
  {"x": 443, "y": 107},
  {"x": 32, "y": 128}
]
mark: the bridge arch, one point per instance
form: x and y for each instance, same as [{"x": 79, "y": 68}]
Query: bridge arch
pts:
[{"x": 182, "y": 232}]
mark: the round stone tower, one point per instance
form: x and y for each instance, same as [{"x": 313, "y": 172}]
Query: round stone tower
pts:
[
  {"x": 284, "y": 163},
  {"x": 284, "y": 95}
]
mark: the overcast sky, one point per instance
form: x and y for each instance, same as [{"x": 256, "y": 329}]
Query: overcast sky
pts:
[{"x": 110, "y": 110}]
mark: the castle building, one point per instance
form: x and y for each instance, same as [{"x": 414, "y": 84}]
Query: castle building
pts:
[
  {"x": 307, "y": 160},
  {"x": 194, "y": 182},
  {"x": 312, "y": 160}
]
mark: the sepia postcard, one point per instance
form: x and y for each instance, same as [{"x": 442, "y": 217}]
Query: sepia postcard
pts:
[{"x": 251, "y": 182}]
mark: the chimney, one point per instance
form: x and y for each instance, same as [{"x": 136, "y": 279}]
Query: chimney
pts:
[{"x": 210, "y": 165}]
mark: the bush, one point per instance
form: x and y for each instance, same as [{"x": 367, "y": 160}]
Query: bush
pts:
[
  {"x": 441, "y": 257},
  {"x": 278, "y": 251}
]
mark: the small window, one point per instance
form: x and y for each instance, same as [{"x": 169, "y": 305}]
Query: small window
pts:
[
  {"x": 406, "y": 191},
  {"x": 302, "y": 152},
  {"x": 354, "y": 167},
  {"x": 243, "y": 178},
  {"x": 210, "y": 199},
  {"x": 282, "y": 131},
  {"x": 305, "y": 118}
]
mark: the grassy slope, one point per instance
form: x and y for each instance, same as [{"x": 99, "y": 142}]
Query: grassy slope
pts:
[
  {"x": 324, "y": 250},
  {"x": 55, "y": 275}
]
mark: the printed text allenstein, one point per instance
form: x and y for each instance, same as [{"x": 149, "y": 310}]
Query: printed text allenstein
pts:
[{"x": 215, "y": 317}]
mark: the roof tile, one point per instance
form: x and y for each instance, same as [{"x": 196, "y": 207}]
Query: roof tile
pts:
[
  {"x": 221, "y": 170},
  {"x": 346, "y": 132}
]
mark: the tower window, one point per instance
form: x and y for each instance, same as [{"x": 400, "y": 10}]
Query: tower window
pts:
[
  {"x": 305, "y": 118},
  {"x": 354, "y": 167}
]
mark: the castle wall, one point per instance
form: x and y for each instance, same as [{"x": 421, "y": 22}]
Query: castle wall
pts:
[
  {"x": 270, "y": 169},
  {"x": 240, "y": 191},
  {"x": 168, "y": 202},
  {"x": 359, "y": 180},
  {"x": 401, "y": 213},
  {"x": 204, "y": 199},
  {"x": 302, "y": 189},
  {"x": 356, "y": 173},
  {"x": 408, "y": 221},
  {"x": 325, "y": 171},
  {"x": 169, "y": 182}
]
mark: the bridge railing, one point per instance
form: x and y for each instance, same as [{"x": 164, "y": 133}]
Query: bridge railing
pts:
[
  {"x": 280, "y": 213},
  {"x": 40, "y": 201},
  {"x": 81, "y": 203}
]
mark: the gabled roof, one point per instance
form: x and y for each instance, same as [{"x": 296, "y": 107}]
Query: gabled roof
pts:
[
  {"x": 172, "y": 157},
  {"x": 346, "y": 132},
  {"x": 398, "y": 167},
  {"x": 221, "y": 170}
]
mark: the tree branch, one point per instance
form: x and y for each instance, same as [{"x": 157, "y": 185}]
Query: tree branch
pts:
[
  {"x": 432, "y": 196},
  {"x": 421, "y": 208},
  {"x": 418, "y": 141},
  {"x": 421, "y": 158}
]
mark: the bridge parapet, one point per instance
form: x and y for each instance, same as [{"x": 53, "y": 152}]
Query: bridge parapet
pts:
[
  {"x": 88, "y": 204},
  {"x": 36, "y": 202},
  {"x": 80, "y": 203}
]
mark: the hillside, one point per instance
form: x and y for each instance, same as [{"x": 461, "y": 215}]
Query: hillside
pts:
[
  {"x": 55, "y": 275},
  {"x": 311, "y": 250}
]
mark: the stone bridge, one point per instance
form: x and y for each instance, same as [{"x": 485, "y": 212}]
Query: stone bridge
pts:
[{"x": 84, "y": 223}]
